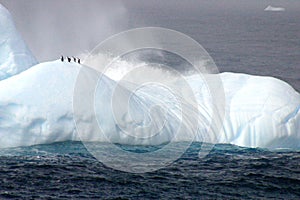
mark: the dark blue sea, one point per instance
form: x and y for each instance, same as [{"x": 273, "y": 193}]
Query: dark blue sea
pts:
[
  {"x": 240, "y": 37},
  {"x": 67, "y": 171}
]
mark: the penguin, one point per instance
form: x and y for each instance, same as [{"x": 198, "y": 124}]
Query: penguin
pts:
[
  {"x": 69, "y": 59},
  {"x": 74, "y": 59},
  {"x": 62, "y": 58},
  {"x": 78, "y": 60}
]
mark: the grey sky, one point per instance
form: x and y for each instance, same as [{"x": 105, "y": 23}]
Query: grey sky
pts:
[
  {"x": 69, "y": 27},
  {"x": 56, "y": 27}
]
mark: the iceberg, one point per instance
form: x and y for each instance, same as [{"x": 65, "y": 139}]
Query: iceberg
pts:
[
  {"x": 276, "y": 9},
  {"x": 37, "y": 106},
  {"x": 15, "y": 57}
]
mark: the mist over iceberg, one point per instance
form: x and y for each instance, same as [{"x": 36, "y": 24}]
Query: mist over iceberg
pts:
[{"x": 36, "y": 105}]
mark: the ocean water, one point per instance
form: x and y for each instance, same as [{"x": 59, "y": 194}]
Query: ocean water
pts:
[
  {"x": 66, "y": 170},
  {"x": 239, "y": 39},
  {"x": 238, "y": 35}
]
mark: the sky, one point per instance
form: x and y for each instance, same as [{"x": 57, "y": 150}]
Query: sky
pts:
[
  {"x": 55, "y": 27},
  {"x": 52, "y": 28}
]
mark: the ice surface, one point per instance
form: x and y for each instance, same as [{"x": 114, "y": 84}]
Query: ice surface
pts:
[
  {"x": 15, "y": 57},
  {"x": 275, "y": 9}
]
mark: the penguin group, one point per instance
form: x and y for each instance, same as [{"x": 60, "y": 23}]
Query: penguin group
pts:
[{"x": 69, "y": 59}]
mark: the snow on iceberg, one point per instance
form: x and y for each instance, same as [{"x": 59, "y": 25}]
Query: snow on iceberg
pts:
[
  {"x": 15, "y": 57},
  {"x": 276, "y": 9},
  {"x": 36, "y": 107}
]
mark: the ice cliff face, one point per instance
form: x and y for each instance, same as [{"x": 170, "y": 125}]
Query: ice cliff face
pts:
[
  {"x": 261, "y": 112},
  {"x": 36, "y": 105},
  {"x": 15, "y": 57}
]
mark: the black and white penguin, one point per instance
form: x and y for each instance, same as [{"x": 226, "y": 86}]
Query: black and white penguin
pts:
[
  {"x": 78, "y": 60},
  {"x": 69, "y": 59},
  {"x": 74, "y": 59},
  {"x": 62, "y": 58}
]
